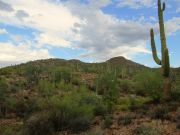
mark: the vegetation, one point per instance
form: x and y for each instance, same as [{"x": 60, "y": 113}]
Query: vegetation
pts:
[{"x": 42, "y": 98}]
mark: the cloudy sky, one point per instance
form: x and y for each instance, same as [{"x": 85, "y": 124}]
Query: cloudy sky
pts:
[{"x": 89, "y": 30}]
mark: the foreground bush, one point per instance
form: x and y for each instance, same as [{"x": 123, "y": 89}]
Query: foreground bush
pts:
[
  {"x": 72, "y": 112},
  {"x": 149, "y": 83},
  {"x": 125, "y": 120},
  {"x": 161, "y": 112},
  {"x": 39, "y": 124},
  {"x": 146, "y": 130}
]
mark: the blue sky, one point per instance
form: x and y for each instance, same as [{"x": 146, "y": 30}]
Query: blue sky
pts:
[{"x": 89, "y": 30}]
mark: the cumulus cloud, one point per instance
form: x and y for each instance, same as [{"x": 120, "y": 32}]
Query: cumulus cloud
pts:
[
  {"x": 79, "y": 25},
  {"x": 14, "y": 54},
  {"x": 50, "y": 19},
  {"x": 104, "y": 36},
  {"x": 135, "y": 4},
  {"x": 21, "y": 14},
  {"x": 5, "y": 6},
  {"x": 173, "y": 25}
]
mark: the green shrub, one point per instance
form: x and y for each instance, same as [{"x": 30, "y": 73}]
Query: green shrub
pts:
[
  {"x": 79, "y": 124},
  {"x": 125, "y": 119},
  {"x": 45, "y": 88},
  {"x": 106, "y": 85},
  {"x": 126, "y": 85},
  {"x": 146, "y": 130},
  {"x": 3, "y": 89},
  {"x": 60, "y": 74},
  {"x": 149, "y": 83},
  {"x": 107, "y": 122},
  {"x": 24, "y": 107},
  {"x": 175, "y": 93},
  {"x": 100, "y": 110},
  {"x": 178, "y": 119},
  {"x": 95, "y": 132},
  {"x": 73, "y": 111},
  {"x": 39, "y": 124},
  {"x": 161, "y": 112}
]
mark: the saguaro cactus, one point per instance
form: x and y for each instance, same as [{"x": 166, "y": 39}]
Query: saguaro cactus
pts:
[{"x": 164, "y": 62}]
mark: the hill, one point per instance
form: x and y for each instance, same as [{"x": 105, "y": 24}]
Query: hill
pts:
[{"x": 56, "y": 96}]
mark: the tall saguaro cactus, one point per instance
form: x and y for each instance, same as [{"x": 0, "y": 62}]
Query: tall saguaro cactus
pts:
[{"x": 164, "y": 62}]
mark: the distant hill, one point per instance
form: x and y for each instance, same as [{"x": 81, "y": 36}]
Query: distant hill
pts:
[{"x": 113, "y": 62}]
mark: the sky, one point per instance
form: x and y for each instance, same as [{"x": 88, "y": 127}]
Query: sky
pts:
[{"x": 89, "y": 30}]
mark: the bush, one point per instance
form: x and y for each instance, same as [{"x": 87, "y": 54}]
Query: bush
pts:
[
  {"x": 146, "y": 130},
  {"x": 24, "y": 107},
  {"x": 79, "y": 124},
  {"x": 39, "y": 124},
  {"x": 95, "y": 132},
  {"x": 125, "y": 120},
  {"x": 161, "y": 112},
  {"x": 178, "y": 119},
  {"x": 3, "y": 89},
  {"x": 126, "y": 85},
  {"x": 175, "y": 93},
  {"x": 107, "y": 122},
  {"x": 45, "y": 88},
  {"x": 72, "y": 112},
  {"x": 100, "y": 110},
  {"x": 61, "y": 74},
  {"x": 149, "y": 83}
]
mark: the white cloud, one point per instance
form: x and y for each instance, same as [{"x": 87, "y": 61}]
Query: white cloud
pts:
[
  {"x": 53, "y": 40},
  {"x": 135, "y": 4},
  {"x": 10, "y": 53},
  {"x": 77, "y": 25},
  {"x": 172, "y": 25},
  {"x": 43, "y": 16},
  {"x": 3, "y": 31}
]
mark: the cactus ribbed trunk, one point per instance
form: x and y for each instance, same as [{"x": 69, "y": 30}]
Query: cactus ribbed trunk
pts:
[{"x": 164, "y": 62}]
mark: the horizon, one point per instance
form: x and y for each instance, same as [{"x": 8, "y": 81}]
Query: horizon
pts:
[
  {"x": 86, "y": 30},
  {"x": 80, "y": 61}
]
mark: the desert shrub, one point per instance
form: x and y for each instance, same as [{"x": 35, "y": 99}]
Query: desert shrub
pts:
[
  {"x": 146, "y": 130},
  {"x": 24, "y": 107},
  {"x": 79, "y": 124},
  {"x": 177, "y": 119},
  {"x": 149, "y": 83},
  {"x": 106, "y": 85},
  {"x": 125, "y": 119},
  {"x": 126, "y": 85},
  {"x": 160, "y": 112},
  {"x": 100, "y": 110},
  {"x": 73, "y": 111},
  {"x": 39, "y": 124},
  {"x": 60, "y": 74},
  {"x": 107, "y": 122},
  {"x": 175, "y": 93},
  {"x": 45, "y": 88},
  {"x": 3, "y": 89},
  {"x": 131, "y": 102},
  {"x": 32, "y": 73},
  {"x": 96, "y": 131},
  {"x": 75, "y": 119}
]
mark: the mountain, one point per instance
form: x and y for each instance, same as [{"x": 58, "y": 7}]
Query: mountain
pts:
[{"x": 113, "y": 62}]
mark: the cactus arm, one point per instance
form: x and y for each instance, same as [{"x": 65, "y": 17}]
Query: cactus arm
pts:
[
  {"x": 161, "y": 27},
  {"x": 153, "y": 47},
  {"x": 166, "y": 63}
]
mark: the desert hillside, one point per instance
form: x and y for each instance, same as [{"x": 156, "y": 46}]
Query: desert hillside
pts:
[{"x": 64, "y": 97}]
